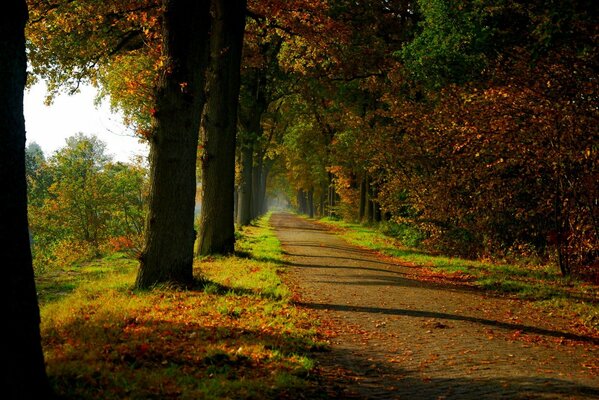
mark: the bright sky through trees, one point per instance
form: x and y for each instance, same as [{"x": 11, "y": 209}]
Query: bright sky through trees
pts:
[{"x": 49, "y": 126}]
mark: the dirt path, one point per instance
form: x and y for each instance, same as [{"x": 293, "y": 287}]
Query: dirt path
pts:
[{"x": 397, "y": 336}]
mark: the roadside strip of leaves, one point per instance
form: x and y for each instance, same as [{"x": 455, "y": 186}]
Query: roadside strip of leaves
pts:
[
  {"x": 538, "y": 286},
  {"x": 236, "y": 336}
]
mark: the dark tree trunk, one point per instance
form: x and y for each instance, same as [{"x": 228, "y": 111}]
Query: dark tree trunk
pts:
[
  {"x": 376, "y": 207},
  {"x": 331, "y": 195},
  {"x": 369, "y": 202},
  {"x": 323, "y": 202},
  {"x": 301, "y": 201},
  {"x": 377, "y": 212},
  {"x": 244, "y": 209},
  {"x": 266, "y": 166},
  {"x": 311, "y": 203},
  {"x": 363, "y": 196},
  {"x": 256, "y": 189},
  {"x": 22, "y": 375},
  {"x": 235, "y": 203},
  {"x": 219, "y": 128},
  {"x": 168, "y": 249},
  {"x": 252, "y": 105}
]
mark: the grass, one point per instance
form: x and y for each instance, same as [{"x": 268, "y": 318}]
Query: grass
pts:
[
  {"x": 239, "y": 337},
  {"x": 541, "y": 284}
]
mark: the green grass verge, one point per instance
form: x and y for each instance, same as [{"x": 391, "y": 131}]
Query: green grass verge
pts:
[
  {"x": 238, "y": 338},
  {"x": 542, "y": 284}
]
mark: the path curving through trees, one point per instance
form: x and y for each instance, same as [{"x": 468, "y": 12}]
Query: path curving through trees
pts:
[{"x": 396, "y": 335}]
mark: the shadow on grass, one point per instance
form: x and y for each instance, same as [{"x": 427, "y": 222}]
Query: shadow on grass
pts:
[
  {"x": 249, "y": 256},
  {"x": 211, "y": 287},
  {"x": 144, "y": 358},
  {"x": 53, "y": 286}
]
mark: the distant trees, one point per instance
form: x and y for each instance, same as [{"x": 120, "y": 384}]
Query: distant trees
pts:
[
  {"x": 81, "y": 203},
  {"x": 22, "y": 374}
]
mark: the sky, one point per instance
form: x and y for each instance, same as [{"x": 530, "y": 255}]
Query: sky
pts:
[{"x": 49, "y": 126}]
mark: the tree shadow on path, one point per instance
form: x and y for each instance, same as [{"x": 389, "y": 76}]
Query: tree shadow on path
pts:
[
  {"x": 451, "y": 317},
  {"x": 367, "y": 378}
]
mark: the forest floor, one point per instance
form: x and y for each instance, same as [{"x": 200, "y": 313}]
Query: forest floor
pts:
[{"x": 396, "y": 331}]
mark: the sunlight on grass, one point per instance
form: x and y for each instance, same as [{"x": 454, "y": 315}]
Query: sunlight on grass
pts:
[
  {"x": 541, "y": 284},
  {"x": 238, "y": 338}
]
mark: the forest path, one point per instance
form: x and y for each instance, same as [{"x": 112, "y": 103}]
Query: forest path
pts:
[{"x": 396, "y": 335}]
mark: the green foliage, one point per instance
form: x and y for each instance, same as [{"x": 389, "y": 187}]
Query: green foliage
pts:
[
  {"x": 407, "y": 234},
  {"x": 451, "y": 45},
  {"x": 81, "y": 203}
]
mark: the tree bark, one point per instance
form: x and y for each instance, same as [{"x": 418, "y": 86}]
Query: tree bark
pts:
[
  {"x": 311, "y": 203},
  {"x": 244, "y": 209},
  {"x": 363, "y": 195},
  {"x": 256, "y": 187},
  {"x": 331, "y": 195},
  {"x": 266, "y": 167},
  {"x": 252, "y": 106},
  {"x": 22, "y": 375},
  {"x": 219, "y": 128},
  {"x": 301, "y": 201},
  {"x": 168, "y": 248},
  {"x": 369, "y": 201}
]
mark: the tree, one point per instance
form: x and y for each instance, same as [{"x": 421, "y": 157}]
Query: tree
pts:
[
  {"x": 80, "y": 201},
  {"x": 23, "y": 374},
  {"x": 38, "y": 177},
  {"x": 219, "y": 128},
  {"x": 168, "y": 251},
  {"x": 79, "y": 193}
]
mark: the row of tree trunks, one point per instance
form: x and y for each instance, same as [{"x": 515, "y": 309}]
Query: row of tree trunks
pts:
[
  {"x": 219, "y": 128},
  {"x": 22, "y": 375},
  {"x": 252, "y": 105},
  {"x": 363, "y": 197},
  {"x": 369, "y": 208},
  {"x": 311, "y": 203},
  {"x": 252, "y": 189},
  {"x": 244, "y": 190},
  {"x": 332, "y": 196},
  {"x": 305, "y": 202},
  {"x": 168, "y": 250}
]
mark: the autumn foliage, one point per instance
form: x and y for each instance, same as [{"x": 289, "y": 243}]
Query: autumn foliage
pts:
[{"x": 474, "y": 123}]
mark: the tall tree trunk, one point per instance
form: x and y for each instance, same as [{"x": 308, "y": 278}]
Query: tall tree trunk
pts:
[
  {"x": 235, "y": 203},
  {"x": 252, "y": 105},
  {"x": 244, "y": 211},
  {"x": 369, "y": 201},
  {"x": 23, "y": 375},
  {"x": 256, "y": 190},
  {"x": 323, "y": 200},
  {"x": 377, "y": 212},
  {"x": 266, "y": 166},
  {"x": 311, "y": 203},
  {"x": 363, "y": 196},
  {"x": 168, "y": 250},
  {"x": 219, "y": 128},
  {"x": 301, "y": 201},
  {"x": 331, "y": 195}
]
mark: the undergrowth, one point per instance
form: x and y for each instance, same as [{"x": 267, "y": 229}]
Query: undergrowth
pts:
[{"x": 238, "y": 336}]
